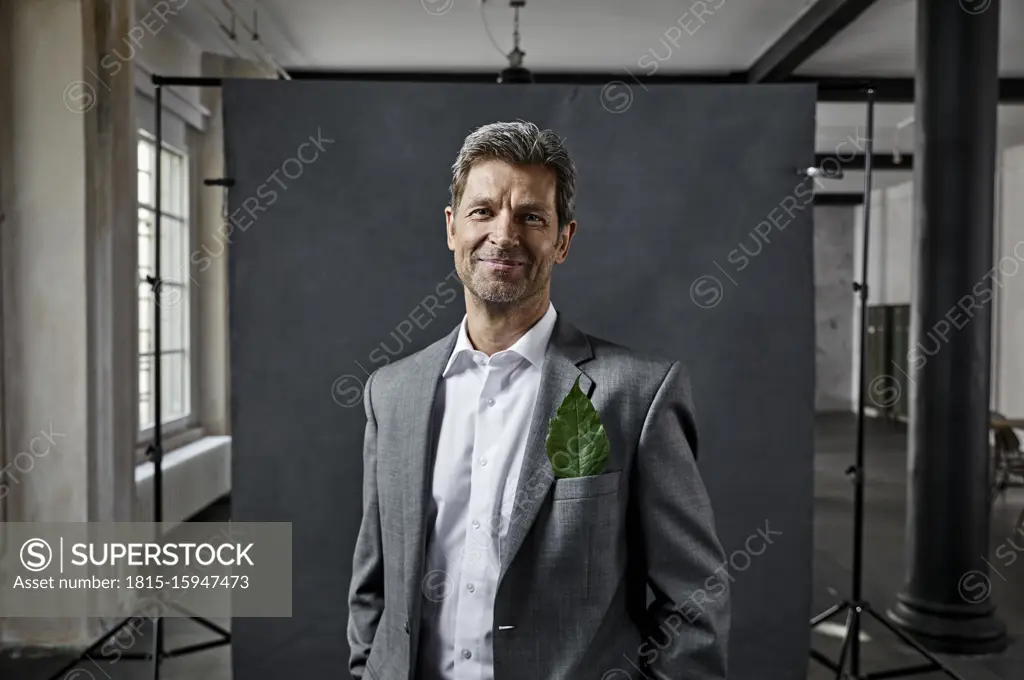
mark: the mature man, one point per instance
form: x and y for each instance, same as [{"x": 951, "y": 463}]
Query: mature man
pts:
[{"x": 478, "y": 558}]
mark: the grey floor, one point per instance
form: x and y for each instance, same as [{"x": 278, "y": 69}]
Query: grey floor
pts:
[
  {"x": 885, "y": 506},
  {"x": 884, "y": 529}
]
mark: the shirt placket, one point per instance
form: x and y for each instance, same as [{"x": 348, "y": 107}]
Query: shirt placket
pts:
[{"x": 479, "y": 555}]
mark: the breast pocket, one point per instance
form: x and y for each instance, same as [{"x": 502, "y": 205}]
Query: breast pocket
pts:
[
  {"x": 573, "y": 488},
  {"x": 585, "y": 532}
]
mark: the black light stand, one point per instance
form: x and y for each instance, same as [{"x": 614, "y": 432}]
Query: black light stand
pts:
[
  {"x": 856, "y": 606},
  {"x": 155, "y": 452}
]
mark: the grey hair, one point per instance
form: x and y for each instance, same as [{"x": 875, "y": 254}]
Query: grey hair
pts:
[{"x": 519, "y": 143}]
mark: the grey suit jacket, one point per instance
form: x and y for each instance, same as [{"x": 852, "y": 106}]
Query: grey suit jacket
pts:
[{"x": 571, "y": 601}]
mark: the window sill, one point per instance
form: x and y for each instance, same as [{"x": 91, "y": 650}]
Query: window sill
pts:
[
  {"x": 171, "y": 441},
  {"x": 193, "y": 475}
]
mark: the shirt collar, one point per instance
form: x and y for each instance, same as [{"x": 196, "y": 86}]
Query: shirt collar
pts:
[{"x": 532, "y": 346}]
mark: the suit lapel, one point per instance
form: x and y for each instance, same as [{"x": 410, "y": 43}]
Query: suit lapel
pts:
[
  {"x": 418, "y": 411},
  {"x": 567, "y": 349}
]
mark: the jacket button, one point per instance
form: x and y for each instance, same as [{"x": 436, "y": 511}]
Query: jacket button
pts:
[{"x": 406, "y": 627}]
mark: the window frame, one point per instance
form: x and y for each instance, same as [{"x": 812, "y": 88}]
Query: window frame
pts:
[{"x": 183, "y": 429}]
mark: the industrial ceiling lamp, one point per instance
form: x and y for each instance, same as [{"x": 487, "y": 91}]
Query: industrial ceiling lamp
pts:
[{"x": 516, "y": 72}]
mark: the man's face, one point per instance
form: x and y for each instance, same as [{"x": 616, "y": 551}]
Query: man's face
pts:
[{"x": 504, "y": 232}]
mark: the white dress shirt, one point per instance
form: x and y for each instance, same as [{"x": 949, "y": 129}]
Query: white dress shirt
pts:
[{"x": 487, "y": 404}]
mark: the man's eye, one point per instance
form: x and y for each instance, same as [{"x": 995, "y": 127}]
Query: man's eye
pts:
[
  {"x": 477, "y": 210},
  {"x": 534, "y": 217}
]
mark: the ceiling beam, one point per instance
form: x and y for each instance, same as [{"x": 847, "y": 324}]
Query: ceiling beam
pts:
[
  {"x": 560, "y": 77},
  {"x": 830, "y": 88},
  {"x": 891, "y": 90},
  {"x": 812, "y": 30},
  {"x": 879, "y": 161}
]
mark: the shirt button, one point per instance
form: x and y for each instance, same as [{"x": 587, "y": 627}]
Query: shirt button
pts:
[
  {"x": 470, "y": 587},
  {"x": 483, "y": 461},
  {"x": 489, "y": 401},
  {"x": 466, "y": 653},
  {"x": 476, "y": 525}
]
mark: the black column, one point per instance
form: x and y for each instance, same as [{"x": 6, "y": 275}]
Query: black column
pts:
[{"x": 945, "y": 601}]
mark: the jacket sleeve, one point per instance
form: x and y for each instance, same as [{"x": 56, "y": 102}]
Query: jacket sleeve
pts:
[
  {"x": 366, "y": 592},
  {"x": 682, "y": 558}
]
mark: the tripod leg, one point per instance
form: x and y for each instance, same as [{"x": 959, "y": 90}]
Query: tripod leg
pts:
[
  {"x": 853, "y": 633},
  {"x": 158, "y": 645},
  {"x": 841, "y": 664},
  {"x": 210, "y": 625},
  {"x": 827, "y": 614},
  {"x": 206, "y": 623},
  {"x": 916, "y": 645},
  {"x": 59, "y": 675}
]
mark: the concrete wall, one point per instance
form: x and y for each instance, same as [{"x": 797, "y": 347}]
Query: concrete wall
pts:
[
  {"x": 834, "y": 301},
  {"x": 890, "y": 266},
  {"x": 891, "y": 271},
  {"x": 890, "y": 244},
  {"x": 1008, "y": 313}
]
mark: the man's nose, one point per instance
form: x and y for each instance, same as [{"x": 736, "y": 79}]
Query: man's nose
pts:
[{"x": 504, "y": 228}]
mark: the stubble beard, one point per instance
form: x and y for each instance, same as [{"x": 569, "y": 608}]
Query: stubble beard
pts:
[{"x": 494, "y": 288}]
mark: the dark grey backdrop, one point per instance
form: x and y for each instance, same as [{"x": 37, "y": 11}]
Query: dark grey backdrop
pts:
[{"x": 694, "y": 243}]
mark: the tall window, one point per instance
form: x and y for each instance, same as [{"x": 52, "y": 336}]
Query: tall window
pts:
[{"x": 172, "y": 297}]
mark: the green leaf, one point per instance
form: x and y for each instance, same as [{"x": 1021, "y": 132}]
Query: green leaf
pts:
[{"x": 577, "y": 445}]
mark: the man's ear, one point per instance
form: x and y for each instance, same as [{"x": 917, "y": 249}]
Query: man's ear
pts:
[
  {"x": 564, "y": 239},
  {"x": 449, "y": 227}
]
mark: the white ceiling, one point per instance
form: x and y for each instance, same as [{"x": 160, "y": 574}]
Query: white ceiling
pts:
[
  {"x": 642, "y": 37},
  {"x": 578, "y": 35},
  {"x": 583, "y": 35},
  {"x": 557, "y": 35},
  {"x": 881, "y": 42}
]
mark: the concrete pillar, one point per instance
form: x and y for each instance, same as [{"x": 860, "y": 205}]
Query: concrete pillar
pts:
[
  {"x": 67, "y": 156},
  {"x": 112, "y": 240},
  {"x": 954, "y": 171}
]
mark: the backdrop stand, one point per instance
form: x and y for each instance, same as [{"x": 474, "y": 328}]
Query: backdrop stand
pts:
[
  {"x": 839, "y": 89},
  {"x": 856, "y": 606},
  {"x": 155, "y": 452}
]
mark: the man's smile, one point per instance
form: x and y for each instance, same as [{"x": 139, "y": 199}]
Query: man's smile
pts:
[{"x": 502, "y": 265}]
